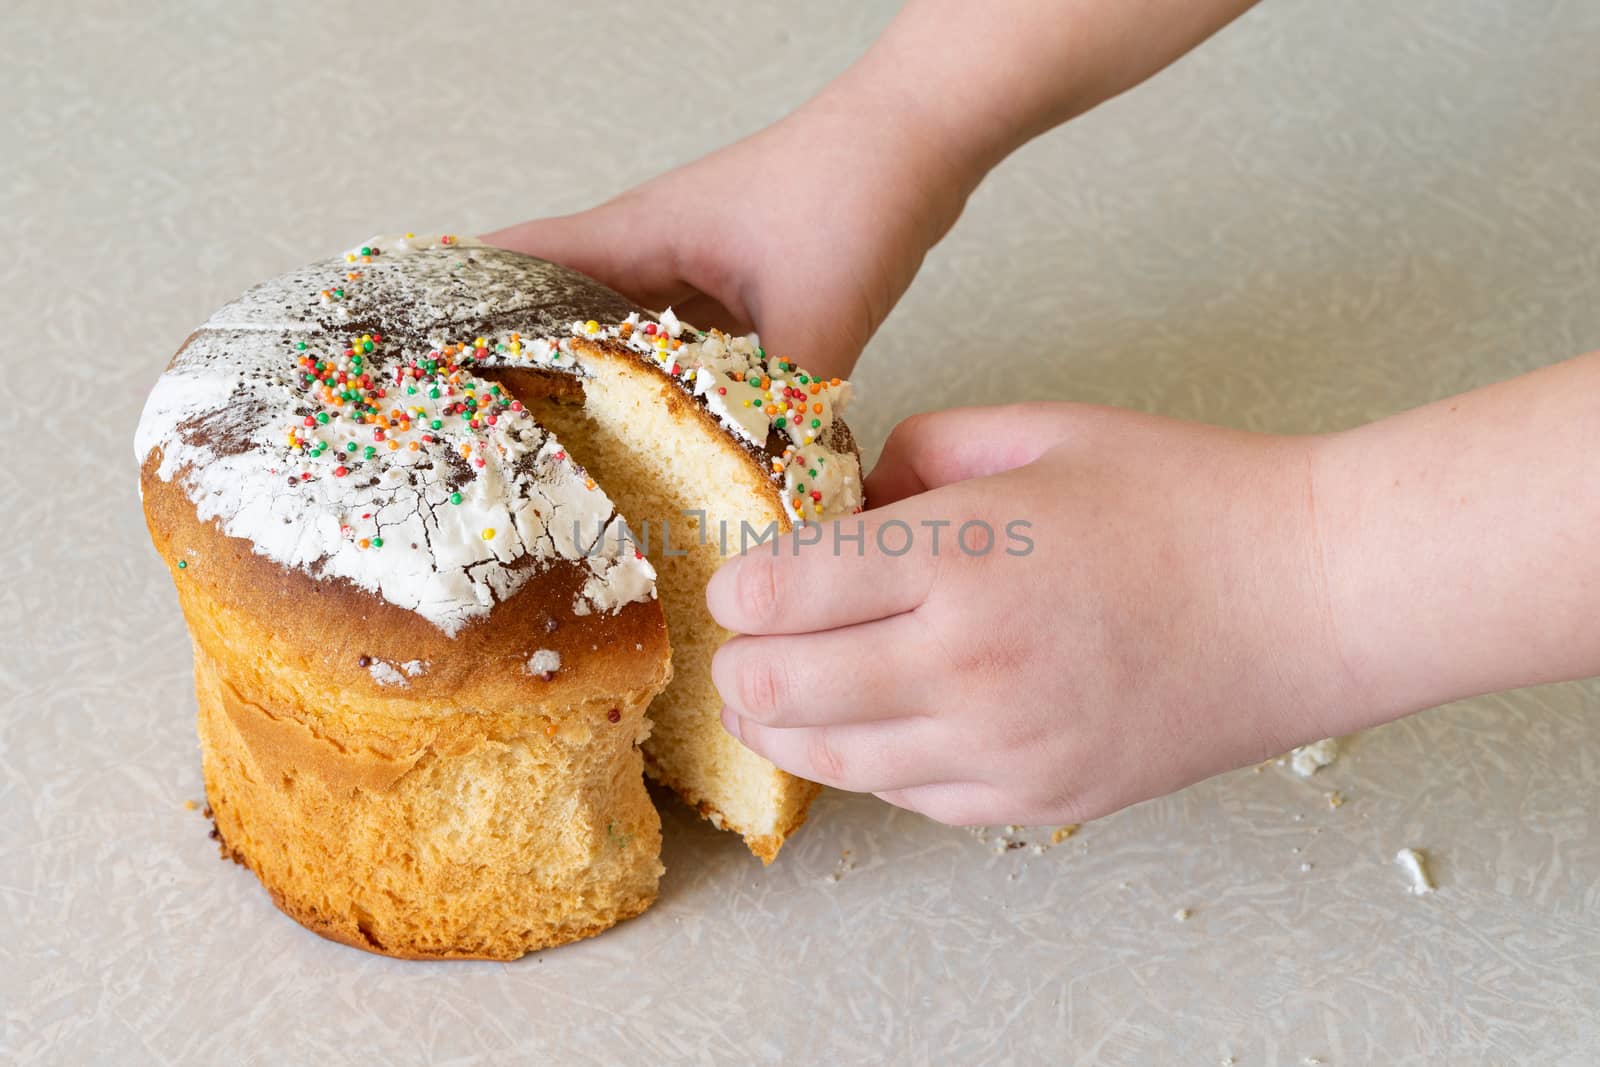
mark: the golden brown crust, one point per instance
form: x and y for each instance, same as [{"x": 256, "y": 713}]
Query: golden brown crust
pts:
[
  {"x": 324, "y": 781},
  {"x": 469, "y": 834}
]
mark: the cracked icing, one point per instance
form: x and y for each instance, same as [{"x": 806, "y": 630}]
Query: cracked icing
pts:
[{"x": 334, "y": 417}]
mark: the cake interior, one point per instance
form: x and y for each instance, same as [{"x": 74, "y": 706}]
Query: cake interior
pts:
[{"x": 661, "y": 462}]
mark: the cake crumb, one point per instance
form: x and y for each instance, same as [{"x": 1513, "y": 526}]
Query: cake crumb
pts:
[
  {"x": 1415, "y": 863},
  {"x": 1309, "y": 759},
  {"x": 1182, "y": 915},
  {"x": 1335, "y": 799},
  {"x": 1063, "y": 832},
  {"x": 190, "y": 805},
  {"x": 845, "y": 865}
]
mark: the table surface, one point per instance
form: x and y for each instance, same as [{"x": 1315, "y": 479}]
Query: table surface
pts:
[{"x": 1330, "y": 213}]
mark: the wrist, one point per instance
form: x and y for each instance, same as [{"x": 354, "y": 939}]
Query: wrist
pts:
[
  {"x": 1380, "y": 571},
  {"x": 916, "y": 165}
]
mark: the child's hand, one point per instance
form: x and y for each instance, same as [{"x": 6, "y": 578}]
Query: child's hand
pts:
[
  {"x": 797, "y": 231},
  {"x": 1169, "y": 623},
  {"x": 811, "y": 230}
]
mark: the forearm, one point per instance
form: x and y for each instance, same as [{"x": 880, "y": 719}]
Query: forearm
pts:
[
  {"x": 979, "y": 80},
  {"x": 1460, "y": 541}
]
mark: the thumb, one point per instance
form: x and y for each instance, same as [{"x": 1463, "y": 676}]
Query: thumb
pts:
[
  {"x": 603, "y": 244},
  {"x": 574, "y": 241},
  {"x": 825, "y": 346},
  {"x": 939, "y": 447}
]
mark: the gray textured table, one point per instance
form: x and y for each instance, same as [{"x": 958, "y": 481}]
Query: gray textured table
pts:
[{"x": 1332, "y": 212}]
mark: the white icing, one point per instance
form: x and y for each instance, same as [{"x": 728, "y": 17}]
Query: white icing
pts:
[
  {"x": 1309, "y": 759},
  {"x": 545, "y": 661},
  {"x": 414, "y": 667},
  {"x": 670, "y": 323},
  {"x": 414, "y": 242},
  {"x": 1415, "y": 864},
  {"x": 384, "y": 673}
]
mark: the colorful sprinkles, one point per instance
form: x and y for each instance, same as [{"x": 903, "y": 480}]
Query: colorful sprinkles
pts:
[
  {"x": 772, "y": 394},
  {"x": 405, "y": 436}
]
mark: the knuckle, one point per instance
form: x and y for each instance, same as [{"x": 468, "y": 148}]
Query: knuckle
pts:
[
  {"x": 825, "y": 758},
  {"x": 760, "y": 589},
  {"x": 911, "y": 424},
  {"x": 988, "y": 659},
  {"x": 1026, "y": 733},
  {"x": 764, "y": 686}
]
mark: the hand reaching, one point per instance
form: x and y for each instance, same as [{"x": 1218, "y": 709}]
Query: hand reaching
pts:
[{"x": 796, "y": 232}]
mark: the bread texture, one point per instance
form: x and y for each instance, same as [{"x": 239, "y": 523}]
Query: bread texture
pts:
[
  {"x": 425, "y": 708},
  {"x": 480, "y": 812},
  {"x": 688, "y": 495}
]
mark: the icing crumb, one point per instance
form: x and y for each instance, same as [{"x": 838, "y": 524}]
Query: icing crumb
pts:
[
  {"x": 384, "y": 673},
  {"x": 1309, "y": 759},
  {"x": 544, "y": 663},
  {"x": 1011, "y": 838},
  {"x": 1415, "y": 863}
]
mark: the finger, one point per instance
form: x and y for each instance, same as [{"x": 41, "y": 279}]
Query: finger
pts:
[
  {"x": 808, "y": 309},
  {"x": 854, "y": 674},
  {"x": 704, "y": 312},
  {"x": 954, "y": 803},
  {"x": 860, "y": 757},
  {"x": 846, "y": 576},
  {"x": 934, "y": 449},
  {"x": 601, "y": 243},
  {"x": 824, "y": 345}
]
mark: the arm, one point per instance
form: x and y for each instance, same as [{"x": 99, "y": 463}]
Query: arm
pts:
[
  {"x": 1198, "y": 598},
  {"x": 812, "y": 229},
  {"x": 1460, "y": 542}
]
